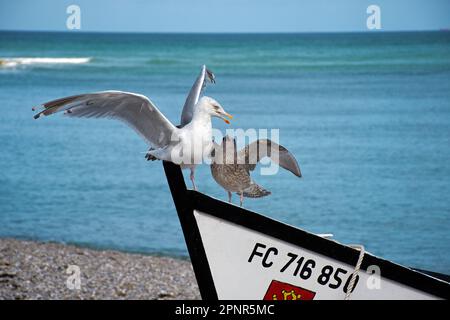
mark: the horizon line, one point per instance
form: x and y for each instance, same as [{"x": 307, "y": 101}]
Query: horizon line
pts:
[{"x": 226, "y": 32}]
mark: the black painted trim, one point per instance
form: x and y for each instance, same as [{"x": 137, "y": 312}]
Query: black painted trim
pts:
[
  {"x": 186, "y": 201},
  {"x": 191, "y": 233},
  {"x": 441, "y": 276}
]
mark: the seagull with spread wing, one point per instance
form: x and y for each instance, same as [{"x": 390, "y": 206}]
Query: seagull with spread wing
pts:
[
  {"x": 231, "y": 167},
  {"x": 185, "y": 146},
  {"x": 205, "y": 76}
]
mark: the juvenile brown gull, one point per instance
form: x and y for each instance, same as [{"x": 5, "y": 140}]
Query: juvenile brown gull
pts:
[{"x": 231, "y": 168}]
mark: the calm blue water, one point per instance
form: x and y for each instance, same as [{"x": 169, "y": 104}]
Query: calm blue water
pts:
[{"x": 367, "y": 116}]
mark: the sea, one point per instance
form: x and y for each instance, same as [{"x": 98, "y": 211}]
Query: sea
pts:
[{"x": 367, "y": 116}]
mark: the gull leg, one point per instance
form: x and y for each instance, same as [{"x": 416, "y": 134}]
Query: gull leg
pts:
[
  {"x": 241, "y": 197},
  {"x": 229, "y": 196},
  {"x": 193, "y": 179}
]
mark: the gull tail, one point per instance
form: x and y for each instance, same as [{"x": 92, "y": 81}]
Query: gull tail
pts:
[{"x": 256, "y": 191}]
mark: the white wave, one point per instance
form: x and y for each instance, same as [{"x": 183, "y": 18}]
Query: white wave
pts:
[{"x": 14, "y": 62}]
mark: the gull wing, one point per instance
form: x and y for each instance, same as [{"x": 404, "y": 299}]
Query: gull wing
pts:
[
  {"x": 196, "y": 90},
  {"x": 135, "y": 110},
  {"x": 255, "y": 151}
]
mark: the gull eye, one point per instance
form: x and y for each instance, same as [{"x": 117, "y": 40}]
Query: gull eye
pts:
[{"x": 216, "y": 108}]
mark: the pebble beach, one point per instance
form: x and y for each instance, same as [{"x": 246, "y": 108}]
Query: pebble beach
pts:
[{"x": 37, "y": 270}]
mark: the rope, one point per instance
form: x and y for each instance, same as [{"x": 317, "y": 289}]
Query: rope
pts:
[{"x": 351, "y": 284}]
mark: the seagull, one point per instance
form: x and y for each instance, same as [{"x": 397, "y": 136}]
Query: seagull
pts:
[
  {"x": 205, "y": 76},
  {"x": 185, "y": 146},
  {"x": 231, "y": 168}
]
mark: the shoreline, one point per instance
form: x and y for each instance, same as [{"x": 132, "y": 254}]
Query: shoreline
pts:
[{"x": 48, "y": 270}]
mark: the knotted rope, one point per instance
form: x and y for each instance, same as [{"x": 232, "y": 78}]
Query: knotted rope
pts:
[{"x": 351, "y": 284}]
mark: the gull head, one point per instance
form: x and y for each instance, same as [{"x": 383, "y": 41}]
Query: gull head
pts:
[
  {"x": 229, "y": 145},
  {"x": 227, "y": 140},
  {"x": 213, "y": 108},
  {"x": 225, "y": 153}
]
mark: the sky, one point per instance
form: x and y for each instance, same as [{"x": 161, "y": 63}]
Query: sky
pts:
[{"x": 224, "y": 15}]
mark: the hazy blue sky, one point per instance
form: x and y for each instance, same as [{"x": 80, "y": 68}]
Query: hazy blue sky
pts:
[{"x": 224, "y": 15}]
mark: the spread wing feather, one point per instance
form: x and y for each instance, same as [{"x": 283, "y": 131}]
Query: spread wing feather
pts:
[
  {"x": 193, "y": 96},
  {"x": 255, "y": 151},
  {"x": 135, "y": 110}
]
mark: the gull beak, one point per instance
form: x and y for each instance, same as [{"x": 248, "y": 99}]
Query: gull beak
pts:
[{"x": 227, "y": 115}]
